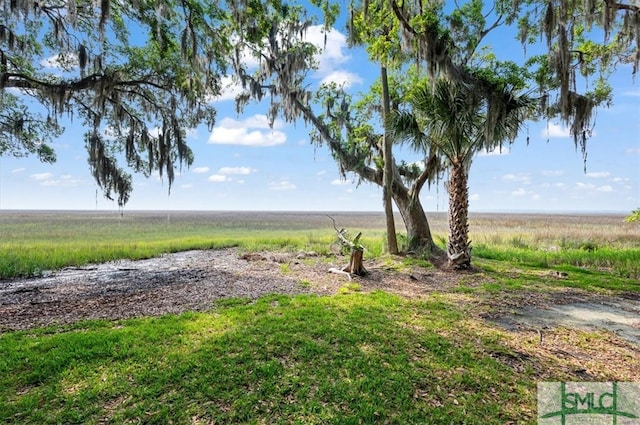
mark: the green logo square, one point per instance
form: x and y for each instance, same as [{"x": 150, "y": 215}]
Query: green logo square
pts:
[{"x": 588, "y": 403}]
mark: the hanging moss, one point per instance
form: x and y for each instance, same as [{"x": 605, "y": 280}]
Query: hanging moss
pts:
[{"x": 121, "y": 86}]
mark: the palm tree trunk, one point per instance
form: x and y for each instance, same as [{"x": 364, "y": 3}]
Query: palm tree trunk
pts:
[{"x": 458, "y": 247}]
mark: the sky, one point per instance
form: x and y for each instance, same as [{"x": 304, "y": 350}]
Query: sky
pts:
[{"x": 242, "y": 164}]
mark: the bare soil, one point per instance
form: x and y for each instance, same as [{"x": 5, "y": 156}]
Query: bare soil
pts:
[
  {"x": 184, "y": 281},
  {"x": 193, "y": 280}
]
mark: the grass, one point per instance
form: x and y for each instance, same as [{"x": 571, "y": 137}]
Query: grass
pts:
[
  {"x": 31, "y": 243},
  {"x": 356, "y": 358},
  {"x": 621, "y": 262}
]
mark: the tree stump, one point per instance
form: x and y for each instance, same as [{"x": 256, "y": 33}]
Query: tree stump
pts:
[
  {"x": 355, "y": 262},
  {"x": 355, "y": 265}
]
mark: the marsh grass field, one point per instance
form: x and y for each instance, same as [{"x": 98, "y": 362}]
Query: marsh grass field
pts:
[
  {"x": 354, "y": 357},
  {"x": 33, "y": 242}
]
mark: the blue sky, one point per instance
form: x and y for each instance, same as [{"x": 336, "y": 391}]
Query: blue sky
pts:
[{"x": 242, "y": 164}]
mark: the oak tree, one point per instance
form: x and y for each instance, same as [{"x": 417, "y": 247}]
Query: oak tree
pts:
[{"x": 137, "y": 74}]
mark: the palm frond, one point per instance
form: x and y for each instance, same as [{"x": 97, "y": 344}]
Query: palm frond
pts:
[{"x": 403, "y": 127}]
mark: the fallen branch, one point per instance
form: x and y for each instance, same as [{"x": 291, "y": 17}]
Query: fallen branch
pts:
[{"x": 338, "y": 271}]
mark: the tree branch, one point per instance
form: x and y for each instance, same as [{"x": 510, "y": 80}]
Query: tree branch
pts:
[{"x": 620, "y": 6}]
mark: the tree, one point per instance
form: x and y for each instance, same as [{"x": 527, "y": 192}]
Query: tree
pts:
[
  {"x": 585, "y": 42},
  {"x": 450, "y": 119},
  {"x": 572, "y": 31},
  {"x": 137, "y": 74},
  {"x": 285, "y": 59},
  {"x": 370, "y": 25},
  {"x": 356, "y": 250}
]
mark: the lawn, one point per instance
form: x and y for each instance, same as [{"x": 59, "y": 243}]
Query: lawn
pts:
[
  {"x": 354, "y": 357},
  {"x": 358, "y": 358}
]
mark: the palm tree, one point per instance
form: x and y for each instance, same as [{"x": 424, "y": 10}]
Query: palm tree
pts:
[{"x": 456, "y": 122}]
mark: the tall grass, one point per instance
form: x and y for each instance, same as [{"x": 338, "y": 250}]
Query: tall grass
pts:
[
  {"x": 601, "y": 242},
  {"x": 33, "y": 242}
]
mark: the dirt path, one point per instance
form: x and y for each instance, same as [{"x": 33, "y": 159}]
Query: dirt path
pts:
[{"x": 618, "y": 315}]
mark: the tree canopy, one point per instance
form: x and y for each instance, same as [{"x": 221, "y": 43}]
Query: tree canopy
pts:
[
  {"x": 136, "y": 74},
  {"x": 139, "y": 73}
]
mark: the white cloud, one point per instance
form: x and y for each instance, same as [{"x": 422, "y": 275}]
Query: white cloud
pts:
[
  {"x": 155, "y": 131},
  {"x": 553, "y": 130},
  {"x": 282, "y": 185},
  {"x": 521, "y": 192},
  {"x": 186, "y": 186},
  {"x": 230, "y": 88},
  {"x": 234, "y": 170},
  {"x": 18, "y": 170},
  {"x": 192, "y": 133},
  {"x": 341, "y": 78},
  {"x": 65, "y": 180},
  {"x": 321, "y": 173},
  {"x": 41, "y": 176},
  {"x": 633, "y": 151},
  {"x": 599, "y": 174},
  {"x": 62, "y": 183},
  {"x": 621, "y": 179},
  {"x": 518, "y": 178},
  {"x": 592, "y": 187},
  {"x": 474, "y": 197},
  {"x": 260, "y": 121},
  {"x": 497, "y": 151},
  {"x": 560, "y": 185},
  {"x": 60, "y": 61},
  {"x": 252, "y": 131},
  {"x": 332, "y": 57},
  {"x": 585, "y": 186},
  {"x": 332, "y": 53},
  {"x": 15, "y": 91},
  {"x": 201, "y": 170},
  {"x": 634, "y": 93},
  {"x": 217, "y": 178}
]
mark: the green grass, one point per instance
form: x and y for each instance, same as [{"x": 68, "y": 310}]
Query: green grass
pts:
[
  {"x": 349, "y": 359},
  {"x": 356, "y": 357},
  {"x": 522, "y": 276},
  {"x": 623, "y": 262},
  {"x": 32, "y": 243}
]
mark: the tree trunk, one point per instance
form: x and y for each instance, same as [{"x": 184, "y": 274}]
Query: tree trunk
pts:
[
  {"x": 458, "y": 247},
  {"x": 355, "y": 262},
  {"x": 415, "y": 220},
  {"x": 413, "y": 215},
  {"x": 392, "y": 241}
]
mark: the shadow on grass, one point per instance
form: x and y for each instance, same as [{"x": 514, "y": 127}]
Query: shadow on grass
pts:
[{"x": 358, "y": 358}]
